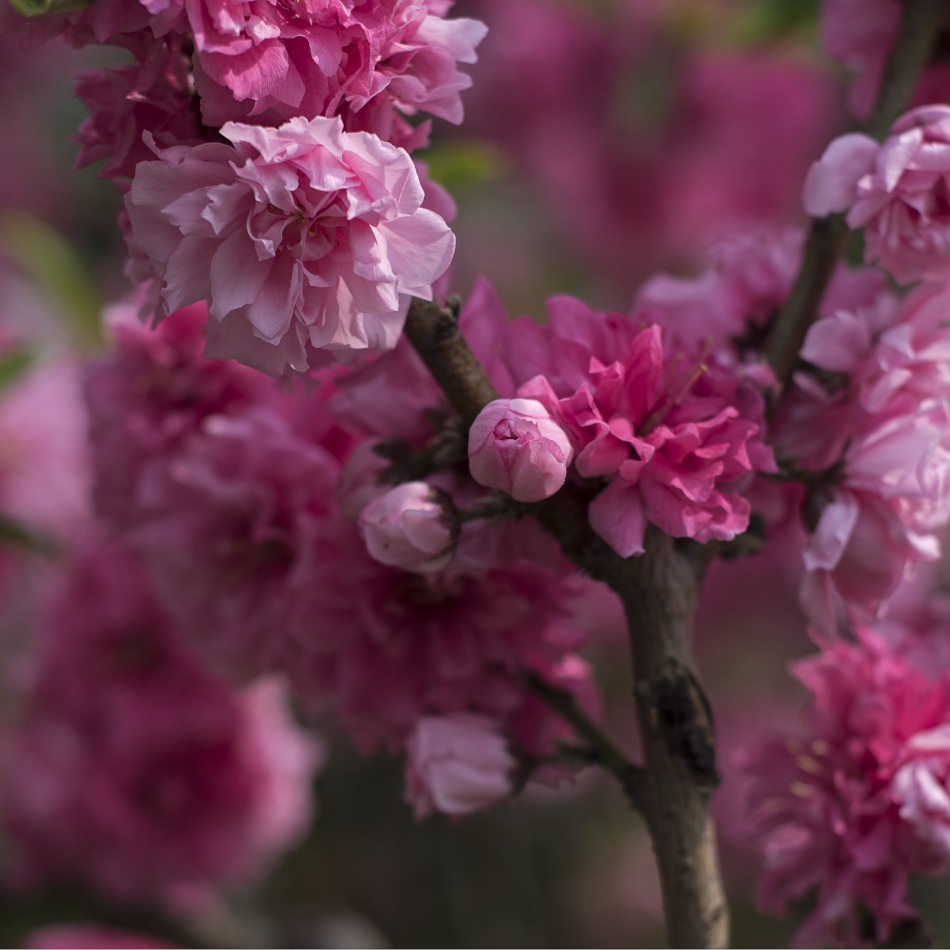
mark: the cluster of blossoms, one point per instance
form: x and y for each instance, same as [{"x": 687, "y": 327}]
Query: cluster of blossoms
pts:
[
  {"x": 133, "y": 770},
  {"x": 308, "y": 232},
  {"x": 287, "y": 495}
]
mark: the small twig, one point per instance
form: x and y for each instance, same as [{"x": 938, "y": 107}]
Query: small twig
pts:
[
  {"x": 920, "y": 24},
  {"x": 495, "y": 507},
  {"x": 602, "y": 749}
]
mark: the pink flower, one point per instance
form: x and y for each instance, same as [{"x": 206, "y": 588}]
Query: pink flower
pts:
[
  {"x": 91, "y": 937},
  {"x": 301, "y": 238},
  {"x": 231, "y": 530},
  {"x": 821, "y": 804},
  {"x": 515, "y": 446},
  {"x": 150, "y": 395},
  {"x": 896, "y": 191},
  {"x": 678, "y": 439},
  {"x": 361, "y": 60},
  {"x": 411, "y": 527},
  {"x": 456, "y": 765},
  {"x": 125, "y": 101},
  {"x": 393, "y": 647},
  {"x": 922, "y": 786},
  {"x": 131, "y": 768}
]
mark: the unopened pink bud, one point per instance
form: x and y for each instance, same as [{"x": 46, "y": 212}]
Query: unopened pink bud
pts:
[
  {"x": 412, "y": 526},
  {"x": 516, "y": 446},
  {"x": 457, "y": 764}
]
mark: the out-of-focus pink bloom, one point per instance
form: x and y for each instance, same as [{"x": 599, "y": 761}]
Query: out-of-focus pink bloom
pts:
[
  {"x": 823, "y": 806},
  {"x": 727, "y": 150},
  {"x": 301, "y": 238},
  {"x": 750, "y": 277},
  {"x": 131, "y": 768},
  {"x": 412, "y": 526},
  {"x": 896, "y": 191},
  {"x": 515, "y": 446},
  {"x": 860, "y": 33},
  {"x": 150, "y": 395},
  {"x": 457, "y": 764},
  {"x": 392, "y": 647},
  {"x": 91, "y": 937},
  {"x": 44, "y": 459},
  {"x": 231, "y": 532},
  {"x": 125, "y": 101}
]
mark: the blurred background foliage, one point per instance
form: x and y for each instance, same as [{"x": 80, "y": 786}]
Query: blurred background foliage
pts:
[{"x": 605, "y": 139}]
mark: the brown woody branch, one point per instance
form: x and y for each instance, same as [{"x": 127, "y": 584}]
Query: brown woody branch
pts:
[
  {"x": 659, "y": 591},
  {"x": 921, "y": 21}
]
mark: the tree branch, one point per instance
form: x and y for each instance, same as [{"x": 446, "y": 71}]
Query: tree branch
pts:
[
  {"x": 659, "y": 591},
  {"x": 920, "y": 25},
  {"x": 603, "y": 750}
]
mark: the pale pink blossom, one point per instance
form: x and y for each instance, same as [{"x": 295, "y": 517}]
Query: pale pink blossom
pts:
[
  {"x": 131, "y": 768},
  {"x": 515, "y": 446},
  {"x": 922, "y": 786},
  {"x": 45, "y": 477},
  {"x": 412, "y": 526},
  {"x": 362, "y": 60},
  {"x": 457, "y": 765},
  {"x": 897, "y": 191},
  {"x": 301, "y": 238}
]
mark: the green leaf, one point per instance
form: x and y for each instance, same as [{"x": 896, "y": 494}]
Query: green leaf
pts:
[
  {"x": 50, "y": 260},
  {"x": 15, "y": 535},
  {"x": 459, "y": 165},
  {"x": 33, "y": 8},
  {"x": 767, "y": 20},
  {"x": 14, "y": 364}
]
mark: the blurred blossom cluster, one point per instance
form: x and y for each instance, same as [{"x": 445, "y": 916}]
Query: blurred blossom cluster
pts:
[{"x": 243, "y": 531}]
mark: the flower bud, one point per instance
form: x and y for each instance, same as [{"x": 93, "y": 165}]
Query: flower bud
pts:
[
  {"x": 412, "y": 526},
  {"x": 516, "y": 446},
  {"x": 457, "y": 764}
]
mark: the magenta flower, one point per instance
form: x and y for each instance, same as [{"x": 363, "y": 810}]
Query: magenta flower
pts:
[
  {"x": 150, "y": 395},
  {"x": 301, "y": 238},
  {"x": 456, "y": 765},
  {"x": 897, "y": 191},
  {"x": 231, "y": 530},
  {"x": 392, "y": 647},
  {"x": 677, "y": 440},
  {"x": 826, "y": 806},
  {"x": 134, "y": 770},
  {"x": 515, "y": 446},
  {"x": 412, "y": 526}
]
